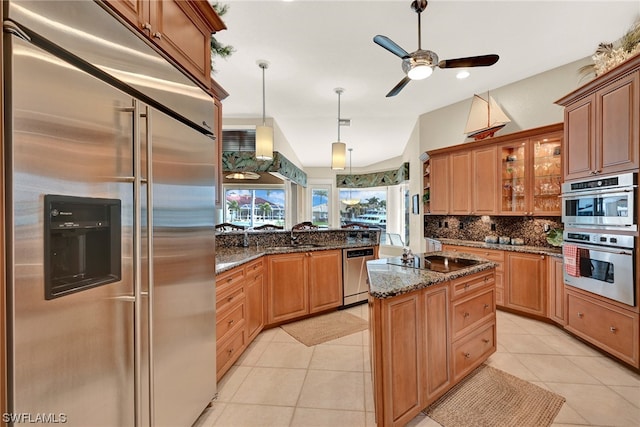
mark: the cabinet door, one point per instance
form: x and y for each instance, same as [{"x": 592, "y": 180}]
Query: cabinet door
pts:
[
  {"x": 401, "y": 349},
  {"x": 556, "y": 290},
  {"x": 515, "y": 180},
  {"x": 485, "y": 181},
  {"x": 617, "y": 125},
  {"x": 440, "y": 185},
  {"x": 287, "y": 296},
  {"x": 134, "y": 11},
  {"x": 255, "y": 303},
  {"x": 437, "y": 369},
  {"x": 547, "y": 174},
  {"x": 579, "y": 142},
  {"x": 325, "y": 280},
  {"x": 527, "y": 283},
  {"x": 460, "y": 178}
]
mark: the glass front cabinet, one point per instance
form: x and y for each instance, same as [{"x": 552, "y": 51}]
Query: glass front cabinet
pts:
[{"x": 531, "y": 174}]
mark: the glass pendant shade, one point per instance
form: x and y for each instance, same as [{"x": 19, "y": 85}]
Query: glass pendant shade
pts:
[
  {"x": 264, "y": 142},
  {"x": 338, "y": 155},
  {"x": 420, "y": 72}
]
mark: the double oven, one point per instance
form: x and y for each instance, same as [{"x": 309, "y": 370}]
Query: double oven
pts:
[{"x": 601, "y": 227}]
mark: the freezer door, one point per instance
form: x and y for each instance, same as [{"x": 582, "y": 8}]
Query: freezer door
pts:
[
  {"x": 183, "y": 271},
  {"x": 71, "y": 356}
]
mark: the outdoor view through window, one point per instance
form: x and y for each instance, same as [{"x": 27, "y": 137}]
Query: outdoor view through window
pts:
[
  {"x": 254, "y": 207},
  {"x": 371, "y": 209}
]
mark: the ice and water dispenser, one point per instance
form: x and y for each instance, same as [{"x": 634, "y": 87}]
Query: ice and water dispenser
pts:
[{"x": 82, "y": 243}]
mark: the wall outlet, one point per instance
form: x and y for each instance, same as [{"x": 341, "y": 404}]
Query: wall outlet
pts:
[
  {"x": 446, "y": 224},
  {"x": 493, "y": 226},
  {"x": 460, "y": 225},
  {"x": 439, "y": 224},
  {"x": 546, "y": 228}
]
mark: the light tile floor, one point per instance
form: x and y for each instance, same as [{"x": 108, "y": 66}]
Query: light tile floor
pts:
[{"x": 281, "y": 382}]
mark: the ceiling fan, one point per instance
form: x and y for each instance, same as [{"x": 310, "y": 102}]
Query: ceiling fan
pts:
[{"x": 419, "y": 65}]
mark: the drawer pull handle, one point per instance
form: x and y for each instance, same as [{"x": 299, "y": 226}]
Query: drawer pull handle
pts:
[
  {"x": 229, "y": 279},
  {"x": 580, "y": 315},
  {"x": 466, "y": 286},
  {"x": 484, "y": 340},
  {"x": 613, "y": 329},
  {"x": 486, "y": 306},
  {"x": 467, "y": 355},
  {"x": 229, "y": 299},
  {"x": 230, "y": 351},
  {"x": 230, "y": 322},
  {"x": 465, "y": 315}
]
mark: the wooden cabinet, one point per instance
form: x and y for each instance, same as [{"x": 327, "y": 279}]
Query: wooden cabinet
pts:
[
  {"x": 439, "y": 193},
  {"x": 516, "y": 174},
  {"x": 527, "y": 283},
  {"x": 255, "y": 290},
  {"x": 182, "y": 29},
  {"x": 303, "y": 283},
  {"x": 239, "y": 312},
  {"x": 602, "y": 124},
  {"x": 422, "y": 344},
  {"x": 426, "y": 185},
  {"x": 605, "y": 325},
  {"x": 556, "y": 310},
  {"x": 492, "y": 255},
  {"x": 531, "y": 175}
]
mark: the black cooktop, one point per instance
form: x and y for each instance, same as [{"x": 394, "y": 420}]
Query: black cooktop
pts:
[{"x": 431, "y": 262}]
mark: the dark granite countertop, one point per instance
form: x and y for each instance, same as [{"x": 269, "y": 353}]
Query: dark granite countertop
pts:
[
  {"x": 387, "y": 280},
  {"x": 555, "y": 252},
  {"x": 231, "y": 257}
]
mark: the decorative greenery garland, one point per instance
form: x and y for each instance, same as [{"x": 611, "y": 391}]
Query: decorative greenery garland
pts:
[
  {"x": 609, "y": 55},
  {"x": 217, "y": 48}
]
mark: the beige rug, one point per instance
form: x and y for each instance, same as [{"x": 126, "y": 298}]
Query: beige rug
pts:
[
  {"x": 326, "y": 327},
  {"x": 491, "y": 397}
]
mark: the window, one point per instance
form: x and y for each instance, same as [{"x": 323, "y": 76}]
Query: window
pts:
[
  {"x": 251, "y": 207},
  {"x": 320, "y": 206},
  {"x": 371, "y": 209}
]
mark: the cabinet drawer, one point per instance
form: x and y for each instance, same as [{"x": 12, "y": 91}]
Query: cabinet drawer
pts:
[
  {"x": 471, "y": 351},
  {"x": 469, "y": 312},
  {"x": 228, "y": 298},
  {"x": 611, "y": 328},
  {"x": 254, "y": 267},
  {"x": 229, "y": 322},
  {"x": 229, "y": 352},
  {"x": 229, "y": 278},
  {"x": 469, "y": 284}
]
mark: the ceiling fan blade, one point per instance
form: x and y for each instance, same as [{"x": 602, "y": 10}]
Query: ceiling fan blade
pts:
[
  {"x": 396, "y": 90},
  {"x": 473, "y": 61},
  {"x": 391, "y": 46}
]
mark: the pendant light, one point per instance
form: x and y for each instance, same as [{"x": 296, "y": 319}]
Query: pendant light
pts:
[
  {"x": 338, "y": 149},
  {"x": 264, "y": 133},
  {"x": 350, "y": 201}
]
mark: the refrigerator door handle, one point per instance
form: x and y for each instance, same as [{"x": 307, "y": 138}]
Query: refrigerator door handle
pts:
[
  {"x": 150, "y": 277},
  {"x": 137, "y": 270}
]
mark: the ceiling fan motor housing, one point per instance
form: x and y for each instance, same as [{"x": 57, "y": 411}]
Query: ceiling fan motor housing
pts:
[{"x": 419, "y": 58}]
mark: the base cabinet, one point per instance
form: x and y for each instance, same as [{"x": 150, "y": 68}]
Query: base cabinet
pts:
[
  {"x": 526, "y": 284},
  {"x": 556, "y": 310},
  {"x": 605, "y": 325},
  {"x": 254, "y": 290},
  {"x": 419, "y": 347},
  {"x": 303, "y": 283}
]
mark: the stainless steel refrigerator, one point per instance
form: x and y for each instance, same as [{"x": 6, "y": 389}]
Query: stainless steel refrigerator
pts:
[{"x": 110, "y": 214}]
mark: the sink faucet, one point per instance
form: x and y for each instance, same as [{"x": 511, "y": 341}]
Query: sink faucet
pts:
[
  {"x": 293, "y": 238},
  {"x": 245, "y": 241}
]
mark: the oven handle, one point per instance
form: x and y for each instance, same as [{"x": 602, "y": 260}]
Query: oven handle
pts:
[
  {"x": 580, "y": 195},
  {"x": 616, "y": 251}
]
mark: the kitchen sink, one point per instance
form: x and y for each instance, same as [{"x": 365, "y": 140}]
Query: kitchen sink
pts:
[{"x": 445, "y": 264}]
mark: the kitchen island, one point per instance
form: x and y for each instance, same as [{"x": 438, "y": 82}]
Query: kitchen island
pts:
[{"x": 428, "y": 330}]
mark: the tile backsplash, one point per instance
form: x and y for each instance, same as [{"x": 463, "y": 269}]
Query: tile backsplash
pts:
[{"x": 530, "y": 229}]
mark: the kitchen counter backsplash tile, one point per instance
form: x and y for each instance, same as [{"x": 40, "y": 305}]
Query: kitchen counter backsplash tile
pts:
[
  {"x": 476, "y": 228},
  {"x": 303, "y": 237}
]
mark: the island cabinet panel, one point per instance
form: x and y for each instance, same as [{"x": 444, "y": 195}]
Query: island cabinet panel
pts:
[
  {"x": 470, "y": 351},
  {"x": 287, "y": 290},
  {"x": 605, "y": 325},
  {"x": 492, "y": 255},
  {"x": 437, "y": 368},
  {"x": 402, "y": 344},
  {"x": 325, "y": 280},
  {"x": 527, "y": 283},
  {"x": 469, "y": 311}
]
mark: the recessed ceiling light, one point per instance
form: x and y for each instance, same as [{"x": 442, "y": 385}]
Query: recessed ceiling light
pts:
[{"x": 462, "y": 74}]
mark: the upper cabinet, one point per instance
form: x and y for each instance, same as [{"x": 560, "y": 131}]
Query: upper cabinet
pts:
[
  {"x": 531, "y": 174},
  {"x": 515, "y": 174},
  {"x": 602, "y": 124},
  {"x": 182, "y": 29}
]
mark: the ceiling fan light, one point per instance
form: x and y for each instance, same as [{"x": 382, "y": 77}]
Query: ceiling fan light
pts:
[
  {"x": 420, "y": 72},
  {"x": 338, "y": 155},
  {"x": 264, "y": 143},
  {"x": 462, "y": 74},
  {"x": 350, "y": 202}
]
